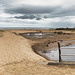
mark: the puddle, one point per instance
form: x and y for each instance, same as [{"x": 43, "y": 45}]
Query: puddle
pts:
[
  {"x": 53, "y": 55},
  {"x": 67, "y": 53},
  {"x": 37, "y": 35}
]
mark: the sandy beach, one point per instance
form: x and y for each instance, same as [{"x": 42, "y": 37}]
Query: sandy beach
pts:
[{"x": 18, "y": 58}]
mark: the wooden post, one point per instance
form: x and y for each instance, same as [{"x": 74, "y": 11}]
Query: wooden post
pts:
[{"x": 59, "y": 52}]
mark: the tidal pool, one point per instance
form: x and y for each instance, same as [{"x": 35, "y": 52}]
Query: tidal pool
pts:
[
  {"x": 37, "y": 35},
  {"x": 67, "y": 53}
]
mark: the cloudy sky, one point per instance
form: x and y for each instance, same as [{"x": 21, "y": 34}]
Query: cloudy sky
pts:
[{"x": 37, "y": 13}]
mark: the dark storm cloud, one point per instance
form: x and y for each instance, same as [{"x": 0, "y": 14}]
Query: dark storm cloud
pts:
[
  {"x": 29, "y": 9},
  {"x": 25, "y": 17},
  {"x": 51, "y": 11},
  {"x": 28, "y": 17},
  {"x": 45, "y": 16},
  {"x": 61, "y": 12},
  {"x": 38, "y": 18}
]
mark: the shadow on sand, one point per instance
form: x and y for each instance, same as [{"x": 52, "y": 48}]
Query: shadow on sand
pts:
[{"x": 69, "y": 63}]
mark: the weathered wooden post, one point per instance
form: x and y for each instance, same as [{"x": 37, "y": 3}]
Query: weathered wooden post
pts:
[{"x": 59, "y": 52}]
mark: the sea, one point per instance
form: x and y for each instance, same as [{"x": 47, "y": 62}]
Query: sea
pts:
[{"x": 25, "y": 28}]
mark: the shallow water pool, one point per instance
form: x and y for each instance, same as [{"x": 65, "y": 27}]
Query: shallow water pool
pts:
[{"x": 67, "y": 53}]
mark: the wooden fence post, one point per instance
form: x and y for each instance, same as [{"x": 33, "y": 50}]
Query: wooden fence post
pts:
[{"x": 59, "y": 52}]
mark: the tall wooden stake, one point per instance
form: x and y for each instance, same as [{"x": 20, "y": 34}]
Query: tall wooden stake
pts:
[{"x": 59, "y": 52}]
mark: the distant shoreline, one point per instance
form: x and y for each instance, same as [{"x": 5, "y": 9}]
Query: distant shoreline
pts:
[{"x": 25, "y": 28}]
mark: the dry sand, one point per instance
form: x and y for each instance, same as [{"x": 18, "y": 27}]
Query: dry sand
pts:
[{"x": 18, "y": 58}]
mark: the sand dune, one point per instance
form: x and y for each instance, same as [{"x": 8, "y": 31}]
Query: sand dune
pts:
[{"x": 15, "y": 48}]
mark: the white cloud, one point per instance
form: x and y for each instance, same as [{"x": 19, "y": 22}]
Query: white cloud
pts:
[
  {"x": 42, "y": 2},
  {"x": 62, "y": 13},
  {"x": 68, "y": 3}
]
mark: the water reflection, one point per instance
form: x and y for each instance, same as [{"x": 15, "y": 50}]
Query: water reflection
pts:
[{"x": 67, "y": 53}]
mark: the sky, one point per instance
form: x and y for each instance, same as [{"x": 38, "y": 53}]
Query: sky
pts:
[{"x": 37, "y": 13}]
